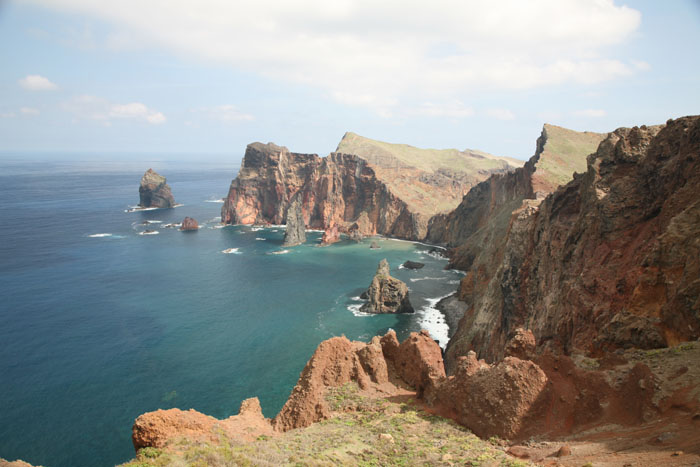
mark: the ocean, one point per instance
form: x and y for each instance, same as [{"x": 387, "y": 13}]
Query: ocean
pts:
[{"x": 100, "y": 323}]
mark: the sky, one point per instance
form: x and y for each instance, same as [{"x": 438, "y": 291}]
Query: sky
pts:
[{"x": 198, "y": 80}]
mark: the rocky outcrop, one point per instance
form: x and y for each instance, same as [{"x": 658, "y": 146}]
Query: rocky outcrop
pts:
[
  {"x": 17, "y": 463},
  {"x": 380, "y": 366},
  {"x": 330, "y": 235},
  {"x": 413, "y": 265},
  {"x": 386, "y": 294},
  {"x": 295, "y": 233},
  {"x": 154, "y": 192},
  {"x": 608, "y": 261},
  {"x": 189, "y": 224},
  {"x": 360, "y": 198},
  {"x": 492, "y": 400},
  {"x": 156, "y": 429}
]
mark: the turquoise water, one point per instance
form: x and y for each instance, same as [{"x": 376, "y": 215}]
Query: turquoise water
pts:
[{"x": 95, "y": 330}]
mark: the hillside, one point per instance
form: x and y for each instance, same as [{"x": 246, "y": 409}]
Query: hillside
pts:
[{"x": 430, "y": 181}]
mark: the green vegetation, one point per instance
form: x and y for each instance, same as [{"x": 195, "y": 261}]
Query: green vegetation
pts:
[
  {"x": 677, "y": 350},
  {"x": 389, "y": 155},
  {"x": 372, "y": 432},
  {"x": 565, "y": 153},
  {"x": 425, "y": 178}
]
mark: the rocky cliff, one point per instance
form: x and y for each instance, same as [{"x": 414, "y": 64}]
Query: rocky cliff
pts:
[
  {"x": 154, "y": 192},
  {"x": 609, "y": 260},
  {"x": 360, "y": 195}
]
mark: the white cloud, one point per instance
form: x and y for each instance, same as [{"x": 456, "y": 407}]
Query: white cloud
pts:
[
  {"x": 501, "y": 114},
  {"x": 29, "y": 111},
  {"x": 7, "y": 114},
  {"x": 225, "y": 113},
  {"x": 136, "y": 110},
  {"x": 382, "y": 55},
  {"x": 97, "y": 108},
  {"x": 37, "y": 83},
  {"x": 592, "y": 113}
]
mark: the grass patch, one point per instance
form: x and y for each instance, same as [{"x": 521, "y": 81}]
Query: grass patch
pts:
[{"x": 387, "y": 433}]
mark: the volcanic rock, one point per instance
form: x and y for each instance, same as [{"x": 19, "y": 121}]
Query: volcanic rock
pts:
[
  {"x": 155, "y": 429},
  {"x": 493, "y": 400},
  {"x": 413, "y": 265},
  {"x": 608, "y": 261},
  {"x": 330, "y": 235},
  {"x": 189, "y": 224},
  {"x": 386, "y": 294},
  {"x": 154, "y": 192},
  {"x": 347, "y": 190},
  {"x": 295, "y": 233},
  {"x": 335, "y": 362},
  {"x": 521, "y": 345}
]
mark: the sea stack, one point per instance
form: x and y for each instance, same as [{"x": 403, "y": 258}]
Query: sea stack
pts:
[
  {"x": 295, "y": 234},
  {"x": 386, "y": 294},
  {"x": 189, "y": 224},
  {"x": 154, "y": 192},
  {"x": 330, "y": 235}
]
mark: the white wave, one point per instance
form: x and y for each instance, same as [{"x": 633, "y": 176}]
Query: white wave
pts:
[
  {"x": 100, "y": 235},
  {"x": 260, "y": 239},
  {"x": 457, "y": 271},
  {"x": 256, "y": 229},
  {"x": 274, "y": 230},
  {"x": 218, "y": 226},
  {"x": 214, "y": 200},
  {"x": 172, "y": 226},
  {"x": 278, "y": 252},
  {"x": 314, "y": 230},
  {"x": 231, "y": 251},
  {"x": 434, "y": 254},
  {"x": 355, "y": 309},
  {"x": 139, "y": 208},
  {"x": 434, "y": 322},
  {"x": 426, "y": 279},
  {"x": 453, "y": 282},
  {"x": 149, "y": 232},
  {"x": 401, "y": 266},
  {"x": 358, "y": 299}
]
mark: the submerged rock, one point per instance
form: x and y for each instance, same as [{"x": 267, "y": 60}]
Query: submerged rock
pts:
[
  {"x": 386, "y": 294},
  {"x": 295, "y": 233},
  {"x": 374, "y": 246},
  {"x": 413, "y": 265},
  {"x": 154, "y": 192},
  {"x": 189, "y": 224}
]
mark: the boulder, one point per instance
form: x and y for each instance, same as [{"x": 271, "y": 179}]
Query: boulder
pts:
[
  {"x": 189, "y": 224},
  {"x": 386, "y": 294},
  {"x": 413, "y": 265},
  {"x": 154, "y": 192}
]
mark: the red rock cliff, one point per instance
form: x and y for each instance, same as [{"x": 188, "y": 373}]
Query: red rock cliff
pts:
[
  {"x": 337, "y": 190},
  {"x": 610, "y": 260}
]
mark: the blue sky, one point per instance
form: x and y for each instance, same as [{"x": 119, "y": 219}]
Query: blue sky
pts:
[{"x": 203, "y": 79}]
